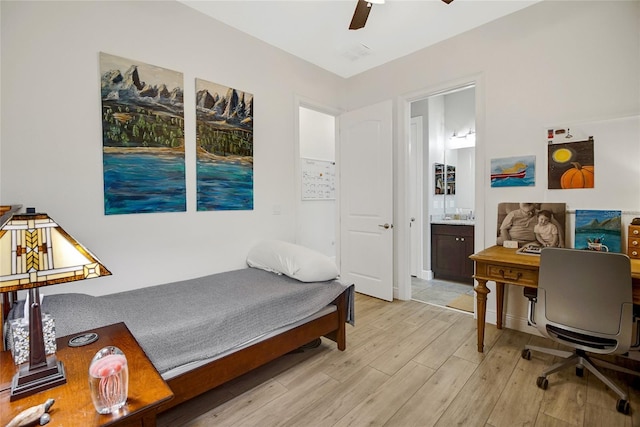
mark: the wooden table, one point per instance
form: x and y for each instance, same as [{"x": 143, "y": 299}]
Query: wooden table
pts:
[
  {"x": 73, "y": 406},
  {"x": 505, "y": 266}
]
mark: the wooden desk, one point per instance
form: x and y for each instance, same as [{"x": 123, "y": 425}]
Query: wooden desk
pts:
[
  {"x": 73, "y": 406},
  {"x": 505, "y": 266}
]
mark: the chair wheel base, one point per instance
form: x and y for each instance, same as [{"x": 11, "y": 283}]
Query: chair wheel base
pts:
[
  {"x": 542, "y": 382},
  {"x": 623, "y": 407}
]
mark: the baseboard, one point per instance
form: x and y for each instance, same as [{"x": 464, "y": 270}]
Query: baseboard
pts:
[
  {"x": 511, "y": 322},
  {"x": 426, "y": 275}
]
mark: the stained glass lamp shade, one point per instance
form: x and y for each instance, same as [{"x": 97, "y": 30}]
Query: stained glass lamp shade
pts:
[{"x": 35, "y": 251}]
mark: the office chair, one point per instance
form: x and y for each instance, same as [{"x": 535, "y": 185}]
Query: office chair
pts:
[{"x": 584, "y": 301}]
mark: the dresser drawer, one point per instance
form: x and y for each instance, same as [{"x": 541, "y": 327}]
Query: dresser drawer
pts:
[
  {"x": 516, "y": 276},
  {"x": 633, "y": 248}
]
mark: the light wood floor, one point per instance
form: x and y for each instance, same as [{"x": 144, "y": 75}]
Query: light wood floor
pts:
[
  {"x": 411, "y": 364},
  {"x": 438, "y": 292}
]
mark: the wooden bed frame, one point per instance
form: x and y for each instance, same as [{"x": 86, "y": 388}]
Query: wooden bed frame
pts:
[
  {"x": 217, "y": 372},
  {"x": 204, "y": 378}
]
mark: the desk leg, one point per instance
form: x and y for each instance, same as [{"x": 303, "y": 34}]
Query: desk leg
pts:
[
  {"x": 499, "y": 303},
  {"x": 481, "y": 297}
]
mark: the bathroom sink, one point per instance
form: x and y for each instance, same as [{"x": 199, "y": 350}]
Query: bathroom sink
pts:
[{"x": 451, "y": 221}]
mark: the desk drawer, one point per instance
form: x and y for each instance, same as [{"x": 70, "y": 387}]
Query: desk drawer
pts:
[{"x": 516, "y": 276}]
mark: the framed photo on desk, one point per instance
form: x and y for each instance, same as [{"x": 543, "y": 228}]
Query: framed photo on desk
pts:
[{"x": 532, "y": 223}]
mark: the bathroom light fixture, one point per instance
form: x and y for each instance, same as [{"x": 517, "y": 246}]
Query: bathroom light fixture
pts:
[{"x": 465, "y": 140}]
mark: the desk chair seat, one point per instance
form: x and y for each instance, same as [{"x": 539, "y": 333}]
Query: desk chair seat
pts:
[{"x": 584, "y": 301}]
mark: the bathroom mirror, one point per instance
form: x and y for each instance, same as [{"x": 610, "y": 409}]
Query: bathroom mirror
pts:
[{"x": 452, "y": 150}]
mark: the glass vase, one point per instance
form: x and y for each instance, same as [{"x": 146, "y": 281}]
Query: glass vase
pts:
[{"x": 109, "y": 380}]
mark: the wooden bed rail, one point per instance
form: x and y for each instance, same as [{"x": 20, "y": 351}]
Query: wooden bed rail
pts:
[
  {"x": 213, "y": 374},
  {"x": 200, "y": 380},
  {"x": 340, "y": 335}
]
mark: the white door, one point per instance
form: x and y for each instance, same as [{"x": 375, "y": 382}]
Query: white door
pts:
[
  {"x": 415, "y": 195},
  {"x": 366, "y": 199}
]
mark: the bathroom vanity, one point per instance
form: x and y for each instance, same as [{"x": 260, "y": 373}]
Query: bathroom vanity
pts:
[{"x": 451, "y": 245}]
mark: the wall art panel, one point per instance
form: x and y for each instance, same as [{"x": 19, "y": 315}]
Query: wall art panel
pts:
[
  {"x": 224, "y": 143},
  {"x": 142, "y": 137}
]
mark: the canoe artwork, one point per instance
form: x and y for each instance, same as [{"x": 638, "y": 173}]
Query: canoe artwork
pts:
[{"x": 513, "y": 172}]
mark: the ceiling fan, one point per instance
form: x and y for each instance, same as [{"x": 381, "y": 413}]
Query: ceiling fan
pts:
[{"x": 363, "y": 7}]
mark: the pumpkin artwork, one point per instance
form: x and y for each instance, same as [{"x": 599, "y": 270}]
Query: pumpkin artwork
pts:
[{"x": 577, "y": 177}]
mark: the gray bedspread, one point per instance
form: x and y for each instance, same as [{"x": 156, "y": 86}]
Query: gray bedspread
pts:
[{"x": 197, "y": 319}]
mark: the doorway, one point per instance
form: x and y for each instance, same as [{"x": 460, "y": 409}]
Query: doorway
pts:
[
  {"x": 362, "y": 199},
  {"x": 442, "y": 183},
  {"x": 317, "y": 208}
]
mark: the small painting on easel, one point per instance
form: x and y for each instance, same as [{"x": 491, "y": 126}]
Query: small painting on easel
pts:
[
  {"x": 598, "y": 230},
  {"x": 571, "y": 165}
]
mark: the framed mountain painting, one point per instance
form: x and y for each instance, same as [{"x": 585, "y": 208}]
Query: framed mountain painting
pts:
[{"x": 142, "y": 137}]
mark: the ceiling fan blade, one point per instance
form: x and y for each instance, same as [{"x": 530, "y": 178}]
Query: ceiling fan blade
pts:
[
  {"x": 447, "y": 1},
  {"x": 360, "y": 15}
]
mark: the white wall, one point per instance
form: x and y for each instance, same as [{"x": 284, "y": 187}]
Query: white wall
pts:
[
  {"x": 50, "y": 103},
  {"x": 316, "y": 227},
  {"x": 554, "y": 63}
]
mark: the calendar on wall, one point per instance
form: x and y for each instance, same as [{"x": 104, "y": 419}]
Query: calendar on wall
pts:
[{"x": 318, "y": 179}]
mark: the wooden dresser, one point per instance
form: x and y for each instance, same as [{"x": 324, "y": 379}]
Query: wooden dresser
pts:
[{"x": 633, "y": 249}]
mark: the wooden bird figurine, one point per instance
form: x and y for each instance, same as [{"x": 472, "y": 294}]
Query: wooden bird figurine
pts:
[{"x": 30, "y": 416}]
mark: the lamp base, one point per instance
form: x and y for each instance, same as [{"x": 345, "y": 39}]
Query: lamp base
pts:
[{"x": 30, "y": 381}]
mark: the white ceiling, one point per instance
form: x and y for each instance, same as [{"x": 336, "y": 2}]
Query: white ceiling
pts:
[{"x": 317, "y": 30}]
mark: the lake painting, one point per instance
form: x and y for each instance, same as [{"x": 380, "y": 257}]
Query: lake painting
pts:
[
  {"x": 135, "y": 185},
  {"x": 224, "y": 144},
  {"x": 142, "y": 137}
]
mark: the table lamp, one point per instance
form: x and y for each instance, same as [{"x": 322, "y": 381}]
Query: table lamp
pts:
[{"x": 35, "y": 251}]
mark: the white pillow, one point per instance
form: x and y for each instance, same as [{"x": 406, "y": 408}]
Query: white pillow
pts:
[{"x": 295, "y": 261}]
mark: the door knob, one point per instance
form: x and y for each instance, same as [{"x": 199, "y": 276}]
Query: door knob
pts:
[{"x": 386, "y": 226}]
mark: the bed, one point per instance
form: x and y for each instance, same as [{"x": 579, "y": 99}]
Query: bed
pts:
[{"x": 200, "y": 333}]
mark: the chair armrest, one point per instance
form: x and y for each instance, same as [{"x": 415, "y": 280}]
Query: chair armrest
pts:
[
  {"x": 635, "y": 335},
  {"x": 532, "y": 296}
]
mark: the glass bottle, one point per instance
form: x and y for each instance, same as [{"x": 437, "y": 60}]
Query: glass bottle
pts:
[{"x": 109, "y": 380}]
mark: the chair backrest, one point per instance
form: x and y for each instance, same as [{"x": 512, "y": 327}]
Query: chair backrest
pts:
[{"x": 585, "y": 299}]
